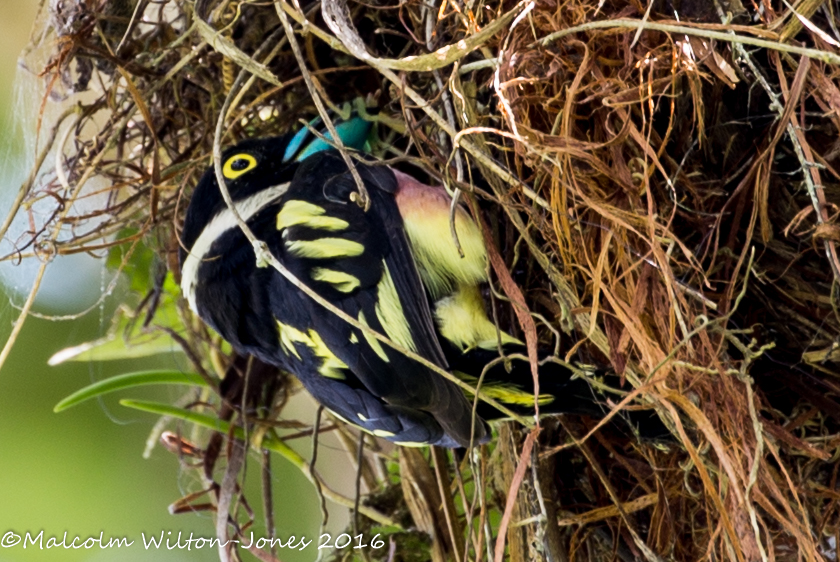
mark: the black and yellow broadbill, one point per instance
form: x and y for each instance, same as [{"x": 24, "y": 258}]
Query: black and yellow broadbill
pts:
[{"x": 395, "y": 268}]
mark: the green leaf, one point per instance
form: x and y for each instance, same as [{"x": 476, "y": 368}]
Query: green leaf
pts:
[
  {"x": 126, "y": 381},
  {"x": 139, "y": 267},
  {"x": 127, "y": 337},
  {"x": 114, "y": 347},
  {"x": 204, "y": 420}
]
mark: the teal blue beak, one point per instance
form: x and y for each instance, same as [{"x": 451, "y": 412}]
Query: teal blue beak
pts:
[{"x": 353, "y": 133}]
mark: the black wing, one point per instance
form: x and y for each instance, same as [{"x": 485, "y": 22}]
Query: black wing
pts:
[{"x": 361, "y": 262}]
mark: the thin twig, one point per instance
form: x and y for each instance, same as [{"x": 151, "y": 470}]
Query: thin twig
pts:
[{"x": 816, "y": 54}]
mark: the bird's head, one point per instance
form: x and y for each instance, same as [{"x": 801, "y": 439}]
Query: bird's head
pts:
[
  {"x": 250, "y": 168},
  {"x": 261, "y": 166}
]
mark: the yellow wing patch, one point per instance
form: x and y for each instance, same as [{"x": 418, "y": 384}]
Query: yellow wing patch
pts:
[
  {"x": 304, "y": 213},
  {"x": 330, "y": 367},
  {"x": 505, "y": 392},
  {"x": 290, "y": 335},
  {"x": 389, "y": 310},
  {"x": 462, "y": 320},
  {"x": 343, "y": 282},
  {"x": 372, "y": 341},
  {"x": 325, "y": 248}
]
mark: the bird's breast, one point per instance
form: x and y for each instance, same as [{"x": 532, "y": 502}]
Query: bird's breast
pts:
[{"x": 425, "y": 212}]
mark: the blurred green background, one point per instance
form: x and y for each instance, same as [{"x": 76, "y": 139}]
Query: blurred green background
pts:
[{"x": 81, "y": 471}]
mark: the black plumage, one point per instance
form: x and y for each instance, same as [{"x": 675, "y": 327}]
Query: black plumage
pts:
[
  {"x": 386, "y": 266},
  {"x": 261, "y": 313}
]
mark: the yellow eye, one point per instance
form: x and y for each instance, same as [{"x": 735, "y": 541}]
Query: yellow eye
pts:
[{"x": 238, "y": 164}]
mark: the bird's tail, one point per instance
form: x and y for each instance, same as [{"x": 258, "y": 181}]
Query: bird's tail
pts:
[{"x": 562, "y": 390}]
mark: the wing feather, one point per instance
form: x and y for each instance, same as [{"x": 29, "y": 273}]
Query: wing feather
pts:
[{"x": 367, "y": 269}]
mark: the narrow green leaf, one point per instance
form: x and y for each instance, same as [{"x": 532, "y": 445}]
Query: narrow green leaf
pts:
[
  {"x": 204, "y": 420},
  {"x": 129, "y": 380}
]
